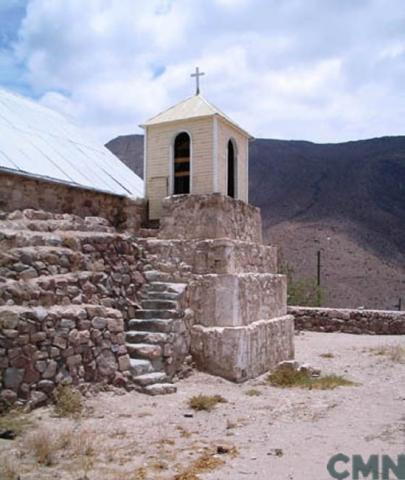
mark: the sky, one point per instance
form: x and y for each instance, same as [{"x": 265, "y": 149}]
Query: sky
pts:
[{"x": 318, "y": 70}]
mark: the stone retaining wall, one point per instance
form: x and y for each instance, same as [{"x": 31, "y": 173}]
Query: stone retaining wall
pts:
[
  {"x": 41, "y": 348},
  {"x": 381, "y": 322},
  {"x": 18, "y": 192},
  {"x": 96, "y": 268}
]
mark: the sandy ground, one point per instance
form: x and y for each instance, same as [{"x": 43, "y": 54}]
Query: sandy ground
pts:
[{"x": 281, "y": 434}]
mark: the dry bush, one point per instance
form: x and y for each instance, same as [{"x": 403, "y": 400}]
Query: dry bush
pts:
[
  {"x": 207, "y": 462},
  {"x": 84, "y": 450},
  {"x": 86, "y": 445},
  {"x": 230, "y": 424},
  {"x": 253, "y": 392},
  {"x": 205, "y": 402},
  {"x": 285, "y": 378},
  {"x": 183, "y": 432},
  {"x": 8, "y": 469},
  {"x": 70, "y": 242},
  {"x": 327, "y": 355},
  {"x": 395, "y": 352},
  {"x": 15, "y": 421},
  {"x": 64, "y": 438},
  {"x": 68, "y": 401},
  {"x": 43, "y": 446}
]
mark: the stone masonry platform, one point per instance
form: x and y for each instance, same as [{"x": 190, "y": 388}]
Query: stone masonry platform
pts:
[
  {"x": 240, "y": 353},
  {"x": 235, "y": 301}
]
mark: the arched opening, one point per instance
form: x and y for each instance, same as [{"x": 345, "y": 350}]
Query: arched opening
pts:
[
  {"x": 232, "y": 170},
  {"x": 181, "y": 183}
]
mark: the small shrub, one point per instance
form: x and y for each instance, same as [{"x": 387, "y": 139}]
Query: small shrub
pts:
[
  {"x": 253, "y": 392},
  {"x": 70, "y": 242},
  {"x": 64, "y": 439},
  {"x": 205, "y": 402},
  {"x": 327, "y": 355},
  {"x": 14, "y": 421},
  {"x": 8, "y": 470},
  {"x": 43, "y": 446},
  {"x": 207, "y": 462},
  {"x": 395, "y": 352},
  {"x": 330, "y": 382},
  {"x": 230, "y": 425},
  {"x": 68, "y": 402},
  {"x": 287, "y": 378},
  {"x": 86, "y": 448},
  {"x": 302, "y": 291}
]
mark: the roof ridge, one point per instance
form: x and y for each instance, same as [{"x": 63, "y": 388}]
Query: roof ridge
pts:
[
  {"x": 185, "y": 111},
  {"x": 168, "y": 109}
]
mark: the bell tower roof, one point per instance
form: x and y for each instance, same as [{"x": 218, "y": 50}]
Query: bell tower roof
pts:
[{"x": 192, "y": 107}]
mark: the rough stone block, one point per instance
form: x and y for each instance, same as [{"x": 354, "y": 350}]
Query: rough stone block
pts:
[
  {"x": 240, "y": 353},
  {"x": 13, "y": 378},
  {"x": 236, "y": 300},
  {"x": 209, "y": 216}
]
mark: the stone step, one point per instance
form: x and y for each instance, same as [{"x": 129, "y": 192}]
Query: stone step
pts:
[
  {"x": 37, "y": 214},
  {"x": 160, "y": 389},
  {"x": 140, "y": 366},
  {"x": 47, "y": 290},
  {"x": 150, "y": 379},
  {"x": 146, "y": 337},
  {"x": 157, "y": 276},
  {"x": 73, "y": 239},
  {"x": 162, "y": 314},
  {"x": 159, "y": 305},
  {"x": 48, "y": 222},
  {"x": 160, "y": 296},
  {"x": 151, "y": 325},
  {"x": 168, "y": 287},
  {"x": 144, "y": 350},
  {"x": 10, "y": 315},
  {"x": 156, "y": 287},
  {"x": 148, "y": 232}
]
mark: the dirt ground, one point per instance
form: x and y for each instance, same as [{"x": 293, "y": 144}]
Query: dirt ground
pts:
[{"x": 280, "y": 434}]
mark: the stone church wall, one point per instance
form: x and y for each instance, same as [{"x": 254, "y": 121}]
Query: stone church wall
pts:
[
  {"x": 18, "y": 192},
  {"x": 377, "y": 322}
]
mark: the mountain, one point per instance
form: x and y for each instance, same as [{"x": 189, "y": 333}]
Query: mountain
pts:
[
  {"x": 129, "y": 149},
  {"x": 346, "y": 200}
]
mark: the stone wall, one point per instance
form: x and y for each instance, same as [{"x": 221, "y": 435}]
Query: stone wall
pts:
[
  {"x": 44, "y": 269},
  {"x": 237, "y": 300},
  {"x": 68, "y": 286},
  {"x": 349, "y": 321},
  {"x": 239, "y": 353},
  {"x": 181, "y": 258},
  {"x": 41, "y": 348},
  {"x": 209, "y": 216},
  {"x": 18, "y": 192}
]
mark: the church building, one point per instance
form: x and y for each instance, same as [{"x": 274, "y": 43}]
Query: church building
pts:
[{"x": 194, "y": 148}]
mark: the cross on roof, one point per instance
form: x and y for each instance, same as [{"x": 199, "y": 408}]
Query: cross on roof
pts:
[{"x": 197, "y": 76}]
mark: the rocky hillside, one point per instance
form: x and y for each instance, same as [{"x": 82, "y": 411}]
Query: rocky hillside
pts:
[{"x": 347, "y": 200}]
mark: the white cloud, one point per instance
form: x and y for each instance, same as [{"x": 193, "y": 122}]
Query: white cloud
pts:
[{"x": 309, "y": 69}]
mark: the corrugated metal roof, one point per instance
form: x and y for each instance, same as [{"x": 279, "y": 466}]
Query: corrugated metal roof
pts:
[
  {"x": 192, "y": 107},
  {"x": 38, "y": 141}
]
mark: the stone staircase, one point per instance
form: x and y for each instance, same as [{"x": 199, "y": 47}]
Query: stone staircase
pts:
[
  {"x": 60, "y": 261},
  {"x": 152, "y": 332}
]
